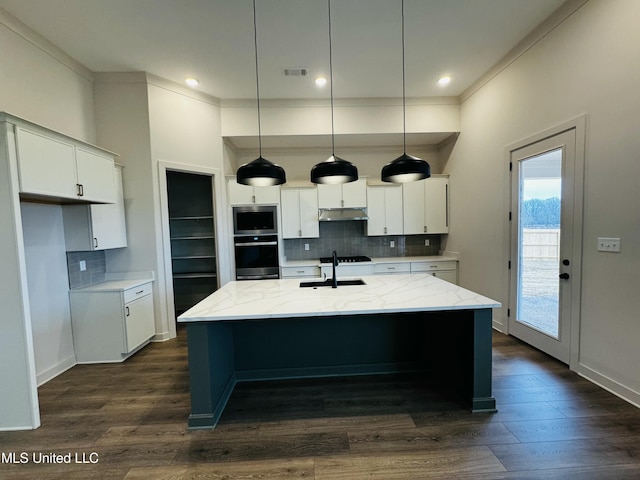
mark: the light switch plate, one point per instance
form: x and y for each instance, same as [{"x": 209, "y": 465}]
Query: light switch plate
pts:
[
  {"x": 608, "y": 244},
  {"x": 83, "y": 265}
]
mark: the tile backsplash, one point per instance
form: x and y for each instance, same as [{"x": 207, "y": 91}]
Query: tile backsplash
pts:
[
  {"x": 96, "y": 268},
  {"x": 350, "y": 238}
]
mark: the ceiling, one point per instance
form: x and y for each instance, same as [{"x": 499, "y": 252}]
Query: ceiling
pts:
[{"x": 213, "y": 41}]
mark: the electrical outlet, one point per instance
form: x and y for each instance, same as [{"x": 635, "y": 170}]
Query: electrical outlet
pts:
[
  {"x": 606, "y": 244},
  {"x": 392, "y": 244},
  {"x": 426, "y": 242},
  {"x": 83, "y": 265},
  {"x": 306, "y": 247}
]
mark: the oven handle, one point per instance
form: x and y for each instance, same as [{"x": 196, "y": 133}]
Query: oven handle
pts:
[
  {"x": 257, "y": 277},
  {"x": 256, "y": 244}
]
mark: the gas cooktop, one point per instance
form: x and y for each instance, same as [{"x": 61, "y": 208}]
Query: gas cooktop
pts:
[{"x": 352, "y": 259}]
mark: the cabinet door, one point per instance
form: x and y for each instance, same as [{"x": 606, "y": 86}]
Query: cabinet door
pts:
[
  {"x": 393, "y": 210},
  {"x": 309, "y": 223},
  {"x": 329, "y": 196},
  {"x": 354, "y": 194},
  {"x": 450, "y": 276},
  {"x": 239, "y": 194},
  {"x": 95, "y": 175},
  {"x": 46, "y": 166},
  {"x": 108, "y": 221},
  {"x": 266, "y": 195},
  {"x": 139, "y": 322},
  {"x": 436, "y": 203},
  {"x": 413, "y": 207},
  {"x": 290, "y": 208},
  {"x": 376, "y": 211}
]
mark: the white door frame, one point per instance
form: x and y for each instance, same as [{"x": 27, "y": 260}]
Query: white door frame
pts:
[
  {"x": 221, "y": 225},
  {"x": 579, "y": 124}
]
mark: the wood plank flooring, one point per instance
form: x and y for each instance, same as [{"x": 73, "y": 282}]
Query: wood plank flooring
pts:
[{"x": 131, "y": 420}]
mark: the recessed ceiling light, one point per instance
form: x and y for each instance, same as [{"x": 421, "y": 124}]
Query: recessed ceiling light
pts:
[
  {"x": 192, "y": 82},
  {"x": 444, "y": 80},
  {"x": 321, "y": 81}
]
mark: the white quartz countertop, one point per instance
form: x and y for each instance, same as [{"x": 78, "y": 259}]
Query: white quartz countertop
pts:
[
  {"x": 114, "y": 285},
  {"x": 284, "y": 298}
]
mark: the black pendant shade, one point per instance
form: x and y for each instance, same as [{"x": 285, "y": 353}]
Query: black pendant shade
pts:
[
  {"x": 261, "y": 173},
  {"x": 334, "y": 170},
  {"x": 406, "y": 168}
]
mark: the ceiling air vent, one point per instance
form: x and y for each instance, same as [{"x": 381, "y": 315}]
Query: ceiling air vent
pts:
[{"x": 295, "y": 72}]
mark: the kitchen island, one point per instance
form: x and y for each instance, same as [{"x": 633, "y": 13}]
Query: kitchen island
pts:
[{"x": 273, "y": 329}]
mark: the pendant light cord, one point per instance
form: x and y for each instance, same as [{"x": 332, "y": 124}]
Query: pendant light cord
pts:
[
  {"x": 404, "y": 100},
  {"x": 333, "y": 143},
  {"x": 255, "y": 46}
]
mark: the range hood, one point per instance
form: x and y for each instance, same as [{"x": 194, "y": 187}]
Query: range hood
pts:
[{"x": 342, "y": 214}]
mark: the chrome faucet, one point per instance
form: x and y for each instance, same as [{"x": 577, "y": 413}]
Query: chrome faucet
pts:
[{"x": 334, "y": 283}]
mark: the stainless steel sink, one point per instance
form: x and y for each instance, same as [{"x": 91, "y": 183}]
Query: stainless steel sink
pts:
[{"x": 329, "y": 283}]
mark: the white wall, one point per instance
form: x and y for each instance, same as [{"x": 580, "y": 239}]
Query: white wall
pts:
[
  {"x": 588, "y": 65},
  {"x": 48, "y": 282},
  {"x": 42, "y": 84}
]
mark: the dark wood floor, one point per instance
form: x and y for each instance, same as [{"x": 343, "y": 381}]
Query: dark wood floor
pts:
[{"x": 131, "y": 419}]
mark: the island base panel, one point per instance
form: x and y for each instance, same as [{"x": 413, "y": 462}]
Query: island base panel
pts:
[{"x": 452, "y": 348}]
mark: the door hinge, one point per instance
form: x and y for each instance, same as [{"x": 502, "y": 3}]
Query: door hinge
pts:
[
  {"x": 509, "y": 216},
  {"x": 509, "y": 264},
  {"x": 508, "y": 312},
  {"x": 510, "y": 166}
]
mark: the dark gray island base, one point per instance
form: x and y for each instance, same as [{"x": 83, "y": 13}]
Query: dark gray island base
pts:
[{"x": 452, "y": 347}]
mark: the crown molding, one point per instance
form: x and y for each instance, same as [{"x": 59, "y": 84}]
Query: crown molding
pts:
[
  {"x": 536, "y": 35},
  {"x": 340, "y": 102},
  {"x": 44, "y": 45}
]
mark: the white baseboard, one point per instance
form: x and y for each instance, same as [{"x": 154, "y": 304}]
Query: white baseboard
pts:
[
  {"x": 52, "y": 372},
  {"x": 161, "y": 337},
  {"x": 609, "y": 384}
]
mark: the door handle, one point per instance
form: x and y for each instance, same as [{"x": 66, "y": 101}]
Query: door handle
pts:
[
  {"x": 566, "y": 262},
  {"x": 564, "y": 276}
]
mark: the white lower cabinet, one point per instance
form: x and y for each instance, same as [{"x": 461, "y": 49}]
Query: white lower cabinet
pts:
[
  {"x": 300, "y": 272},
  {"x": 347, "y": 270},
  {"x": 111, "y": 321},
  {"x": 445, "y": 269},
  {"x": 399, "y": 268}
]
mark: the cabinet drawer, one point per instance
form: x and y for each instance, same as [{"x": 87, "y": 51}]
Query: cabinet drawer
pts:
[
  {"x": 382, "y": 268},
  {"x": 421, "y": 267},
  {"x": 140, "y": 291},
  {"x": 306, "y": 271}
]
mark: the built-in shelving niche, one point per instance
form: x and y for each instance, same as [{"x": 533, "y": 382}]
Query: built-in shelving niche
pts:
[{"x": 193, "y": 238}]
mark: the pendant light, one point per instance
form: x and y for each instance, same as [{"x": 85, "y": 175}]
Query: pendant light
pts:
[
  {"x": 260, "y": 172},
  {"x": 405, "y": 168},
  {"x": 334, "y": 170}
]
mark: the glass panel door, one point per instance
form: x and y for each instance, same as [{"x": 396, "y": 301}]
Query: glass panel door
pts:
[
  {"x": 542, "y": 244},
  {"x": 539, "y": 242}
]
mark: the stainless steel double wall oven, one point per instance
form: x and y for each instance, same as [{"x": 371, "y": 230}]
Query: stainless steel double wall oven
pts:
[{"x": 255, "y": 229}]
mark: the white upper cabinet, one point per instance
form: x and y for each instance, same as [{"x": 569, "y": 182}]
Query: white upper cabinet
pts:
[
  {"x": 247, "y": 195},
  {"x": 52, "y": 165},
  {"x": 426, "y": 206},
  {"x": 345, "y": 195},
  {"x": 299, "y": 208},
  {"x": 96, "y": 226},
  {"x": 384, "y": 209}
]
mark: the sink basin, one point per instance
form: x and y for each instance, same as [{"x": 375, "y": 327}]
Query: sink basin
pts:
[{"x": 329, "y": 283}]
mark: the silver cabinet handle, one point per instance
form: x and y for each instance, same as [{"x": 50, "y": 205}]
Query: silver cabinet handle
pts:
[
  {"x": 425, "y": 229},
  {"x": 95, "y": 242},
  {"x": 127, "y": 310},
  {"x": 385, "y": 229},
  {"x": 80, "y": 189}
]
